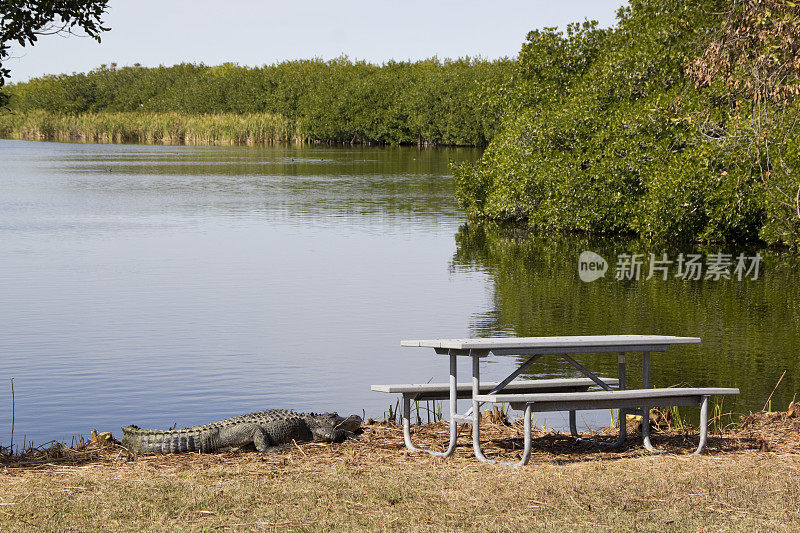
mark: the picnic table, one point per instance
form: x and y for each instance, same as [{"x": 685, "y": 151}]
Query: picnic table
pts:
[{"x": 557, "y": 395}]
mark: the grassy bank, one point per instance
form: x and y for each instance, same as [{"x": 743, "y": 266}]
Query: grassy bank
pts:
[
  {"x": 167, "y": 128},
  {"x": 748, "y": 481}
]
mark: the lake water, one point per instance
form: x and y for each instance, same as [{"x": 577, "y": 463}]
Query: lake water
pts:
[{"x": 177, "y": 285}]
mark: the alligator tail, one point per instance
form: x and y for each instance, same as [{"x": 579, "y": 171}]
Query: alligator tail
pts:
[{"x": 143, "y": 441}]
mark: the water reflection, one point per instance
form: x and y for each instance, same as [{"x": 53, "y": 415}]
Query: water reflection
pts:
[
  {"x": 316, "y": 183},
  {"x": 175, "y": 285},
  {"x": 750, "y": 328}
]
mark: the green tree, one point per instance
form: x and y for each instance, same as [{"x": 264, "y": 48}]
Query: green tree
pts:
[
  {"x": 431, "y": 102},
  {"x": 750, "y": 75},
  {"x": 23, "y": 21},
  {"x": 604, "y": 132}
]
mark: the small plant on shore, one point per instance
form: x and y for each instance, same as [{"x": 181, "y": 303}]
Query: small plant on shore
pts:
[
  {"x": 394, "y": 413},
  {"x": 675, "y": 418},
  {"x": 717, "y": 416},
  {"x": 768, "y": 403}
]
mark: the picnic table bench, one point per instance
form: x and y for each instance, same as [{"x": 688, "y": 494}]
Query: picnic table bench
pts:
[
  {"x": 642, "y": 399},
  {"x": 441, "y": 391},
  {"x": 569, "y": 398}
]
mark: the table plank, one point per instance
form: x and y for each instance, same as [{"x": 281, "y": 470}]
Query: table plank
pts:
[
  {"x": 487, "y": 386},
  {"x": 636, "y": 394},
  {"x": 532, "y": 343}
]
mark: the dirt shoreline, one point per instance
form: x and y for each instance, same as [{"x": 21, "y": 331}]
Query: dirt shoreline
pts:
[{"x": 750, "y": 479}]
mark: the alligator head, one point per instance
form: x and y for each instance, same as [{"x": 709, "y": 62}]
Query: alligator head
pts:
[{"x": 333, "y": 428}]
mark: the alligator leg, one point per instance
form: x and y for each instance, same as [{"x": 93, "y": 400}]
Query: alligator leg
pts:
[{"x": 264, "y": 444}]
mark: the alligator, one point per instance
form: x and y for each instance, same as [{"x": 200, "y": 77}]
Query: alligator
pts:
[{"x": 269, "y": 430}]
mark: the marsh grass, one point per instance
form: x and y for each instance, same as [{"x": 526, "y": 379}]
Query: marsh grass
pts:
[
  {"x": 149, "y": 128},
  {"x": 376, "y": 485}
]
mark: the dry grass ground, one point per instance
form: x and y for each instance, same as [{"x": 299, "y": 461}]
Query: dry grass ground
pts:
[{"x": 749, "y": 481}]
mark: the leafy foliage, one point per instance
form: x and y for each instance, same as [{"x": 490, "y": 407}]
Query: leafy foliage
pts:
[
  {"x": 536, "y": 291},
  {"x": 756, "y": 52},
  {"x": 22, "y": 21},
  {"x": 750, "y": 71},
  {"x": 425, "y": 102},
  {"x": 604, "y": 132}
]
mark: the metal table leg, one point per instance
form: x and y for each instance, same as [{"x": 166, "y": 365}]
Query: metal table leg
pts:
[
  {"x": 622, "y": 422},
  {"x": 646, "y": 410},
  {"x": 573, "y": 426},
  {"x": 703, "y": 430},
  {"x": 476, "y": 427},
  {"x": 621, "y": 413},
  {"x": 703, "y": 426},
  {"x": 646, "y": 414},
  {"x": 511, "y": 377},
  {"x": 453, "y": 413}
]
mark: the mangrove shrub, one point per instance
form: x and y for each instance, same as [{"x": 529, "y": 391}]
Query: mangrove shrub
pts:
[
  {"x": 606, "y": 131},
  {"x": 434, "y": 101}
]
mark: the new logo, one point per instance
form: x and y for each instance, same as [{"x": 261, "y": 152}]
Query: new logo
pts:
[{"x": 591, "y": 266}]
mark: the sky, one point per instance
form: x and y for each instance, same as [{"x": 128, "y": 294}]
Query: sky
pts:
[{"x": 256, "y": 33}]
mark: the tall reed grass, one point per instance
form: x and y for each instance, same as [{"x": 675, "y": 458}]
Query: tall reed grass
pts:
[{"x": 151, "y": 128}]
